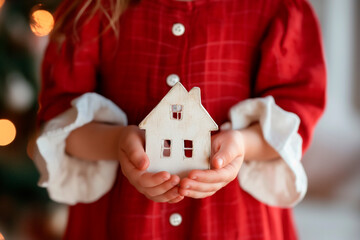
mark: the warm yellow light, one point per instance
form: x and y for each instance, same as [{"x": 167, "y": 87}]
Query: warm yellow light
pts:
[
  {"x": 42, "y": 22},
  {"x": 7, "y": 132},
  {"x": 1, "y": 4}
]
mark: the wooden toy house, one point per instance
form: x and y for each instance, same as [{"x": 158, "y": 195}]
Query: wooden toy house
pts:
[{"x": 178, "y": 133}]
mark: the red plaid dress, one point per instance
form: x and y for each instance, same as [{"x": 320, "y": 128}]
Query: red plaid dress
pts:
[{"x": 233, "y": 50}]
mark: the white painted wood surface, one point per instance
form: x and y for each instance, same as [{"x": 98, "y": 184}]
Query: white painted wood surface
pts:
[{"x": 195, "y": 125}]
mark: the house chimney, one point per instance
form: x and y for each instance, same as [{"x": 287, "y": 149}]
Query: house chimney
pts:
[{"x": 195, "y": 94}]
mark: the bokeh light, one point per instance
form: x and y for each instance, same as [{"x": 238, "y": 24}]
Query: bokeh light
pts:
[
  {"x": 42, "y": 22},
  {"x": 1, "y": 4},
  {"x": 19, "y": 94},
  {"x": 7, "y": 132}
]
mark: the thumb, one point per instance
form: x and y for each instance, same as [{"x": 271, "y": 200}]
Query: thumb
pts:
[
  {"x": 139, "y": 159},
  {"x": 226, "y": 154},
  {"x": 135, "y": 152}
]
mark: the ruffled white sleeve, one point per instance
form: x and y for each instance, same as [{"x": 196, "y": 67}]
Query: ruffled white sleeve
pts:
[
  {"x": 281, "y": 182},
  {"x": 67, "y": 179}
]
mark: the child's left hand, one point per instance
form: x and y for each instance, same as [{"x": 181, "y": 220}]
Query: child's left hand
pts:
[{"x": 228, "y": 154}]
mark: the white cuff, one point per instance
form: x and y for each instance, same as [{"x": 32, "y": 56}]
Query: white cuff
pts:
[
  {"x": 281, "y": 182},
  {"x": 67, "y": 179}
]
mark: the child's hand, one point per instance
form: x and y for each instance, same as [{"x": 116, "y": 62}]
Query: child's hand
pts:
[
  {"x": 159, "y": 187},
  {"x": 228, "y": 154}
]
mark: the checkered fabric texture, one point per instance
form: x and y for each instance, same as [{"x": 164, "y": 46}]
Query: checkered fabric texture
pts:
[{"x": 233, "y": 50}]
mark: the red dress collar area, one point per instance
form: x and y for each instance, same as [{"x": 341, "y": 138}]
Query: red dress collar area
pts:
[{"x": 180, "y": 4}]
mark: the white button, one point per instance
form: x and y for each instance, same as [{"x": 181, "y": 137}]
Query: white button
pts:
[
  {"x": 178, "y": 29},
  {"x": 172, "y": 79},
  {"x": 175, "y": 219}
]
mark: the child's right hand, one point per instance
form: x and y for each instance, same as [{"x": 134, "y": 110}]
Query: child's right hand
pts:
[{"x": 159, "y": 187}]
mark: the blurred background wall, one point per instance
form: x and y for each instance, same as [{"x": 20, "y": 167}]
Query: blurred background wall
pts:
[{"x": 331, "y": 209}]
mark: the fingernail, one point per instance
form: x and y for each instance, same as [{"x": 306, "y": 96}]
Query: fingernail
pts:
[
  {"x": 194, "y": 177},
  {"x": 187, "y": 186},
  {"x": 174, "y": 183},
  {"x": 220, "y": 162}
]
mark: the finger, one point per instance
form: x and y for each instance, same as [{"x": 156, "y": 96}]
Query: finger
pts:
[
  {"x": 139, "y": 159},
  {"x": 148, "y": 180},
  {"x": 177, "y": 199},
  {"x": 215, "y": 145},
  {"x": 173, "y": 193},
  {"x": 134, "y": 149},
  {"x": 127, "y": 168},
  {"x": 196, "y": 194},
  {"x": 226, "y": 153},
  {"x": 188, "y": 184},
  {"x": 163, "y": 188},
  {"x": 209, "y": 176},
  {"x": 225, "y": 174},
  {"x": 217, "y": 142}
]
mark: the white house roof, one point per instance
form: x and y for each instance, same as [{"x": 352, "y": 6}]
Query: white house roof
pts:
[{"x": 179, "y": 95}]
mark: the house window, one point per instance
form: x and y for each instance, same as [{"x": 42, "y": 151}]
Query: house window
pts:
[
  {"x": 176, "y": 111},
  {"x": 188, "y": 148},
  {"x": 166, "y": 148}
]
